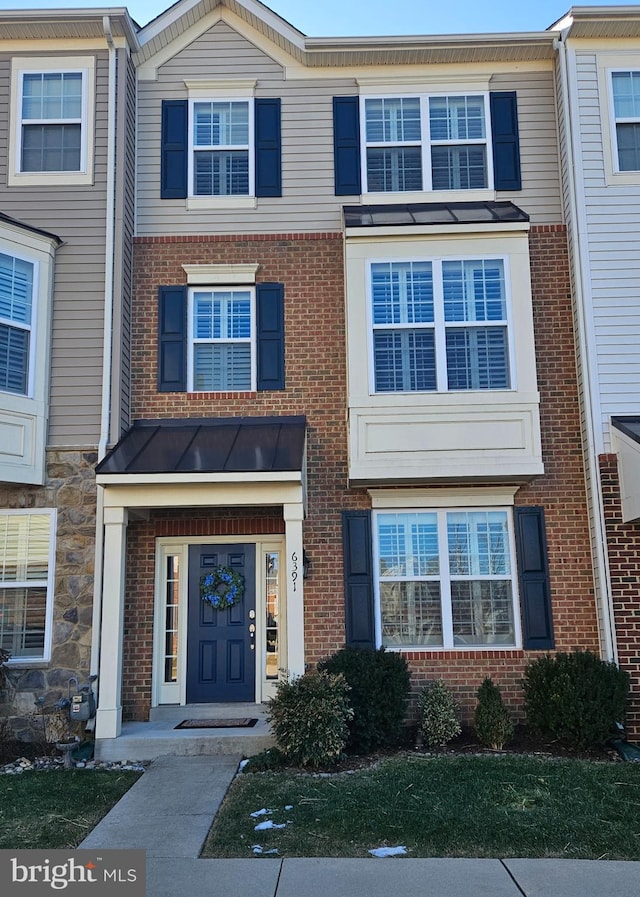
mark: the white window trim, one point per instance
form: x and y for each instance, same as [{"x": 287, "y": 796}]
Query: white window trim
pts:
[
  {"x": 214, "y": 288},
  {"x": 48, "y": 622},
  {"x": 439, "y": 326},
  {"x": 27, "y": 65},
  {"x": 32, "y": 328},
  {"x": 426, "y": 143},
  {"x": 447, "y": 504}
]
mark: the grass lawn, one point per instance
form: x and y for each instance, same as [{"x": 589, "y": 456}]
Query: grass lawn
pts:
[
  {"x": 505, "y": 806},
  {"x": 57, "y": 809}
]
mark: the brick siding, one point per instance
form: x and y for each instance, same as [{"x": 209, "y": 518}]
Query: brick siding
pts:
[{"x": 311, "y": 267}]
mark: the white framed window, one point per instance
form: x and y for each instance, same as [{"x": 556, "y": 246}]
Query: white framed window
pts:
[
  {"x": 625, "y": 92},
  {"x": 17, "y": 318},
  {"x": 222, "y": 344},
  {"x": 53, "y": 110},
  {"x": 439, "y": 325},
  {"x": 446, "y": 578},
  {"x": 27, "y": 561},
  {"x": 221, "y": 156},
  {"x": 426, "y": 143}
]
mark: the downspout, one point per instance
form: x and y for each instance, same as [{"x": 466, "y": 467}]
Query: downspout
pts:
[
  {"x": 586, "y": 351},
  {"x": 105, "y": 415}
]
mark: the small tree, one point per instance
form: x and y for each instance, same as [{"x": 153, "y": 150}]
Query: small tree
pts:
[
  {"x": 492, "y": 724},
  {"x": 439, "y": 723},
  {"x": 309, "y": 716}
]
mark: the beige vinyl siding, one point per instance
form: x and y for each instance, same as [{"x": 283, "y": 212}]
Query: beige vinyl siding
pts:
[
  {"x": 123, "y": 269},
  {"x": 308, "y": 202},
  {"x": 613, "y": 241},
  {"x": 76, "y": 214},
  {"x": 541, "y": 194}
]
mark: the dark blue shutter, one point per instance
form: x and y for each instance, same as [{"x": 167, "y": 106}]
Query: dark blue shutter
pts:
[
  {"x": 270, "y": 335},
  {"x": 506, "y": 143},
  {"x": 172, "y": 339},
  {"x": 173, "y": 149},
  {"x": 268, "y": 148},
  {"x": 358, "y": 579},
  {"x": 346, "y": 146},
  {"x": 533, "y": 574}
]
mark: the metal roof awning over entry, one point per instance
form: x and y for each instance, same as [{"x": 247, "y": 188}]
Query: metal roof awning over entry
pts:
[{"x": 209, "y": 445}]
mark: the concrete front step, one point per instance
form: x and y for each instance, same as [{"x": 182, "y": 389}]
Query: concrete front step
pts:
[{"x": 158, "y": 737}]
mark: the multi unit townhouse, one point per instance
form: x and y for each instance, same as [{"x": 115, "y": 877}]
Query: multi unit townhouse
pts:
[
  {"x": 599, "y": 103},
  {"x": 344, "y": 368},
  {"x": 66, "y": 188}
]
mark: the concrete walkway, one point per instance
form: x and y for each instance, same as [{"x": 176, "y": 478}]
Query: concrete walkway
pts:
[{"x": 169, "y": 811}]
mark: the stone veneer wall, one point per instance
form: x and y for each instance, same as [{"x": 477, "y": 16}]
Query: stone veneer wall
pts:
[
  {"x": 70, "y": 488},
  {"x": 311, "y": 268}
]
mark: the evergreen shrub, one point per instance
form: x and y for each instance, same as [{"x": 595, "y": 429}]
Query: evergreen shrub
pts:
[
  {"x": 438, "y": 719},
  {"x": 380, "y": 682},
  {"x": 491, "y": 721}
]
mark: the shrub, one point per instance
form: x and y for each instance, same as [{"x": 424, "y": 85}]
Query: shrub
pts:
[
  {"x": 439, "y": 723},
  {"x": 308, "y": 718},
  {"x": 492, "y": 724},
  {"x": 380, "y": 683},
  {"x": 576, "y": 697}
]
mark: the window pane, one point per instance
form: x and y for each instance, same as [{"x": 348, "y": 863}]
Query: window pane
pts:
[
  {"x": 456, "y": 118},
  {"x": 393, "y": 120},
  {"x": 272, "y": 561},
  {"x": 458, "y": 167},
  {"x": 16, "y": 287},
  {"x": 628, "y": 147},
  {"x": 474, "y": 290},
  {"x": 221, "y": 366},
  {"x": 221, "y": 124},
  {"x": 404, "y": 360},
  {"x": 51, "y": 95},
  {"x": 391, "y": 170},
  {"x": 24, "y": 547},
  {"x": 224, "y": 173},
  {"x": 408, "y": 544},
  {"x": 411, "y": 613},
  {"x": 477, "y": 358},
  {"x": 51, "y": 148},
  {"x": 22, "y": 621},
  {"x": 478, "y": 543},
  {"x": 626, "y": 94},
  {"x": 482, "y": 613},
  {"x": 14, "y": 359},
  {"x": 222, "y": 315},
  {"x": 402, "y": 292}
]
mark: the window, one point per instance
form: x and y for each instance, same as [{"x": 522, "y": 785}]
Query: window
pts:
[
  {"x": 221, "y": 139},
  {"x": 26, "y": 582},
  {"x": 446, "y": 578},
  {"x": 626, "y": 105},
  {"x": 426, "y": 143},
  {"x": 16, "y": 309},
  {"x": 439, "y": 325},
  {"x": 51, "y": 121},
  {"x": 222, "y": 345},
  {"x": 52, "y": 117}
]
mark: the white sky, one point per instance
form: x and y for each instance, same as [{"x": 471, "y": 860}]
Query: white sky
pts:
[{"x": 329, "y": 18}]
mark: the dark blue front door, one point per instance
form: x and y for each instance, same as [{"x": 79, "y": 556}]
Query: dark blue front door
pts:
[{"x": 221, "y": 657}]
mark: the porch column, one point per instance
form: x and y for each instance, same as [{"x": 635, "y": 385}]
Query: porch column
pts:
[
  {"x": 293, "y": 517},
  {"x": 109, "y": 714}
]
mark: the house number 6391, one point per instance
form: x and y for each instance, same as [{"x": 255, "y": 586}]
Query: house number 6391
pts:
[{"x": 294, "y": 570}]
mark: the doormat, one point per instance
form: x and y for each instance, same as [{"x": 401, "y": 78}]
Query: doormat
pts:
[{"x": 242, "y": 722}]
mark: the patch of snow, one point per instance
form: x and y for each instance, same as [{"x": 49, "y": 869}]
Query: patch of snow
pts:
[
  {"x": 289, "y": 807},
  {"x": 262, "y": 812},
  {"x": 388, "y": 851},
  {"x": 263, "y": 826}
]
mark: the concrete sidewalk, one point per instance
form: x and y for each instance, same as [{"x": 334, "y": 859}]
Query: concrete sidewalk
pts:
[{"x": 169, "y": 811}]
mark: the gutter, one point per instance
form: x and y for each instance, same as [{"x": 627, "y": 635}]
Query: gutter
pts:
[
  {"x": 107, "y": 363},
  {"x": 586, "y": 345}
]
